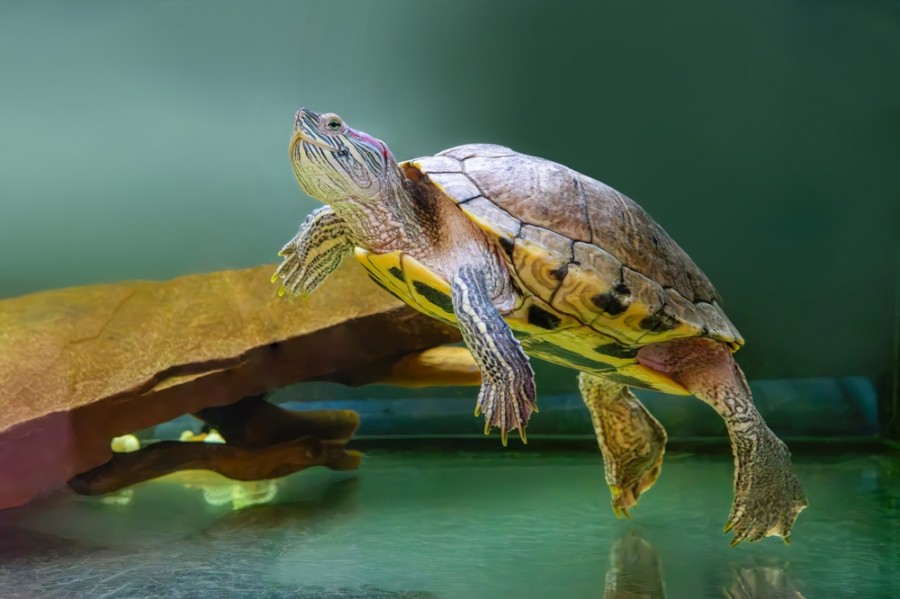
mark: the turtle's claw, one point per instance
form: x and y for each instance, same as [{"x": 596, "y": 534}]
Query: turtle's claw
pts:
[
  {"x": 507, "y": 413},
  {"x": 621, "y": 512}
]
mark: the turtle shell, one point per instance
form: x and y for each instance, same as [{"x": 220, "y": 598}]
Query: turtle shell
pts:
[{"x": 598, "y": 277}]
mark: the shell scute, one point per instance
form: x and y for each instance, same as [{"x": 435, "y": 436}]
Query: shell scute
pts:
[
  {"x": 456, "y": 185},
  {"x": 533, "y": 190},
  {"x": 477, "y": 151},
  {"x": 594, "y": 256},
  {"x": 541, "y": 258}
]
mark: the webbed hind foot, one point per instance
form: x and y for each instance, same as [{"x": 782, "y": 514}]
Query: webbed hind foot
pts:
[
  {"x": 767, "y": 495},
  {"x": 632, "y": 441}
]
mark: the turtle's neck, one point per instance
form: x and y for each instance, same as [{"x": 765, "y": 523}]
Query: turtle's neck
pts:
[{"x": 399, "y": 219}]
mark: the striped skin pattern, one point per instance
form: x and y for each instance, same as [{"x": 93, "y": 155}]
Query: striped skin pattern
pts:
[
  {"x": 314, "y": 253},
  {"x": 349, "y": 154},
  {"x": 506, "y": 372}
]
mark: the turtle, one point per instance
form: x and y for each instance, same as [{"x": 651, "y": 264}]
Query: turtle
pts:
[{"x": 529, "y": 257}]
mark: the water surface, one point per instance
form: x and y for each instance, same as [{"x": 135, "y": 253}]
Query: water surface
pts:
[{"x": 431, "y": 524}]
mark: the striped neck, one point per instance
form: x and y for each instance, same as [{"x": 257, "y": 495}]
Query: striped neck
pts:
[{"x": 392, "y": 221}]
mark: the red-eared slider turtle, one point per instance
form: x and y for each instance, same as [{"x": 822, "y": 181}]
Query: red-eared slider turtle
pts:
[{"x": 526, "y": 255}]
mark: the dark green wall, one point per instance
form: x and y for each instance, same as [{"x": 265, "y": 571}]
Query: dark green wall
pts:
[{"x": 148, "y": 138}]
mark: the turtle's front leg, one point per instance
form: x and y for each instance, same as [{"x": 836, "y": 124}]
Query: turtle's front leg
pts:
[
  {"x": 507, "y": 395},
  {"x": 767, "y": 495},
  {"x": 631, "y": 439},
  {"x": 314, "y": 253}
]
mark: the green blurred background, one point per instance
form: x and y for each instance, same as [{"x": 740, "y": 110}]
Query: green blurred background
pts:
[{"x": 148, "y": 139}]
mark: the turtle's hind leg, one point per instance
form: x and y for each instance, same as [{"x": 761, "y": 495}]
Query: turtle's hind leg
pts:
[
  {"x": 313, "y": 254},
  {"x": 767, "y": 495},
  {"x": 631, "y": 439},
  {"x": 507, "y": 395}
]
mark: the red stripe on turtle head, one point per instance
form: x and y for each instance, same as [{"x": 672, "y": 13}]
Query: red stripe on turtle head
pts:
[{"x": 368, "y": 139}]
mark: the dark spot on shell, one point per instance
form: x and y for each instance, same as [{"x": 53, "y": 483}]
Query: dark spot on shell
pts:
[
  {"x": 659, "y": 321},
  {"x": 397, "y": 273},
  {"x": 438, "y": 298},
  {"x": 616, "y": 351},
  {"x": 609, "y": 302},
  {"x": 622, "y": 289},
  {"x": 559, "y": 273},
  {"x": 541, "y": 318},
  {"x": 507, "y": 245},
  {"x": 628, "y": 380}
]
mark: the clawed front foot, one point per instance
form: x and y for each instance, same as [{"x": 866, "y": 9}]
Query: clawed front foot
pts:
[
  {"x": 767, "y": 496},
  {"x": 314, "y": 253},
  {"x": 507, "y": 406},
  {"x": 507, "y": 395},
  {"x": 291, "y": 271}
]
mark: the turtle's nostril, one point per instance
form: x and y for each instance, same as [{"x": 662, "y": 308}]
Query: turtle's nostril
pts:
[{"x": 298, "y": 117}]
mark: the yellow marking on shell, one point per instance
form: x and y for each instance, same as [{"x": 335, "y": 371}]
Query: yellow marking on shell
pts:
[
  {"x": 379, "y": 265},
  {"x": 647, "y": 298},
  {"x": 582, "y": 341},
  {"x": 485, "y": 225},
  {"x": 689, "y": 316},
  {"x": 416, "y": 272},
  {"x": 576, "y": 292},
  {"x": 571, "y": 335},
  {"x": 633, "y": 319},
  {"x": 535, "y": 268},
  {"x": 518, "y": 318}
]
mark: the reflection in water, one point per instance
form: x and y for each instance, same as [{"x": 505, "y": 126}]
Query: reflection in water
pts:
[
  {"x": 225, "y": 554},
  {"x": 635, "y": 572},
  {"x": 286, "y": 520},
  {"x": 410, "y": 521},
  {"x": 761, "y": 582}
]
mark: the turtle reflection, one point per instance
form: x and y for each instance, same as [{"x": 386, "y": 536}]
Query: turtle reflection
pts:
[
  {"x": 762, "y": 581},
  {"x": 635, "y": 569},
  {"x": 635, "y": 572}
]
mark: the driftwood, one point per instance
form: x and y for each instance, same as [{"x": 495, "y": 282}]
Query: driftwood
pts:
[{"x": 80, "y": 366}]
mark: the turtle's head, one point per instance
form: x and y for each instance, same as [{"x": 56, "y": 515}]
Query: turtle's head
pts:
[{"x": 333, "y": 162}]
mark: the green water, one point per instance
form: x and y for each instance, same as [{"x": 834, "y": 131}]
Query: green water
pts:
[{"x": 517, "y": 524}]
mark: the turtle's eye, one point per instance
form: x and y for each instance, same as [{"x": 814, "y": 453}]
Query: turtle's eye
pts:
[{"x": 333, "y": 123}]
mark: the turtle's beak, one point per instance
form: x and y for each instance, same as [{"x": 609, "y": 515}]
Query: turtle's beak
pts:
[{"x": 301, "y": 136}]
